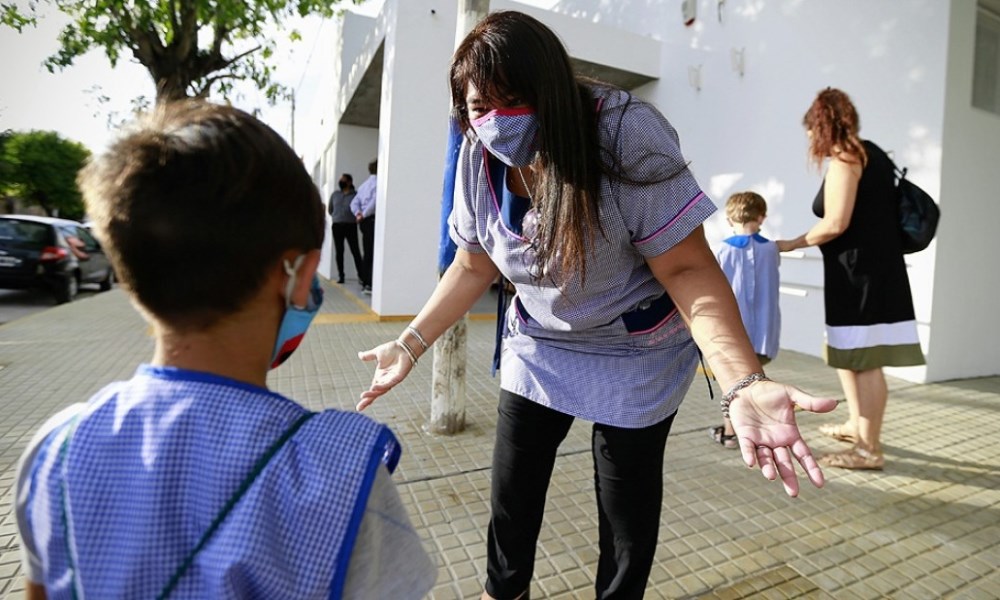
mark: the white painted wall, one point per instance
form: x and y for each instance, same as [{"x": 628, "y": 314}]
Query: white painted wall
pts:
[
  {"x": 745, "y": 132},
  {"x": 413, "y": 123},
  {"x": 595, "y": 43},
  {"x": 967, "y": 278},
  {"x": 901, "y": 61},
  {"x": 314, "y": 125}
]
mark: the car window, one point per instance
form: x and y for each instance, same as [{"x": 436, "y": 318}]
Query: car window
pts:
[
  {"x": 24, "y": 234},
  {"x": 90, "y": 244}
]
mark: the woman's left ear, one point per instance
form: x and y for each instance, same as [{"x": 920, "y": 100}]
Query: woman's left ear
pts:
[{"x": 304, "y": 276}]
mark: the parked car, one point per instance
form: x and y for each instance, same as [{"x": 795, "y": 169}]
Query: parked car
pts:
[{"x": 57, "y": 255}]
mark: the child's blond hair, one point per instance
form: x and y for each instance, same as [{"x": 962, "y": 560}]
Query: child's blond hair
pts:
[{"x": 743, "y": 207}]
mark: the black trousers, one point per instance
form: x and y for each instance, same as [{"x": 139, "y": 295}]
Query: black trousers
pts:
[
  {"x": 348, "y": 232},
  {"x": 628, "y": 479},
  {"x": 367, "y": 226}
]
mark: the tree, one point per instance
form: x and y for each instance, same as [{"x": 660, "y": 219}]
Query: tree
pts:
[
  {"x": 6, "y": 169},
  {"x": 41, "y": 169},
  {"x": 6, "y": 172},
  {"x": 189, "y": 47}
]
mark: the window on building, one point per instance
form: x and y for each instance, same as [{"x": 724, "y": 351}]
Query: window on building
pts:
[{"x": 986, "y": 66}]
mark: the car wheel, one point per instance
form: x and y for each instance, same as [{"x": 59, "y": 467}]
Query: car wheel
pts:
[
  {"x": 69, "y": 289},
  {"x": 108, "y": 281}
]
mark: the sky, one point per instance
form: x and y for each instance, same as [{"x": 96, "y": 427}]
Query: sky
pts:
[{"x": 68, "y": 102}]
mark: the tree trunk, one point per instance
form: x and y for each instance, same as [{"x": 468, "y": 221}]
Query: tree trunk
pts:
[
  {"x": 448, "y": 381},
  {"x": 171, "y": 88},
  {"x": 41, "y": 200},
  {"x": 450, "y": 356}
]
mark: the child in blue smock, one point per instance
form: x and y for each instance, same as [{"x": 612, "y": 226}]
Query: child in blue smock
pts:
[
  {"x": 750, "y": 262},
  {"x": 192, "y": 479}
]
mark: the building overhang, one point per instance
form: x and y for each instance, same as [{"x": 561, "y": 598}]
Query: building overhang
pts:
[{"x": 612, "y": 55}]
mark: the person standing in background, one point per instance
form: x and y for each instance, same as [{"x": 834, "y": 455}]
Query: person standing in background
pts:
[
  {"x": 363, "y": 207},
  {"x": 345, "y": 227},
  {"x": 870, "y": 323}
]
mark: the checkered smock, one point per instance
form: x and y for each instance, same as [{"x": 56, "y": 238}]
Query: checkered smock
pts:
[
  {"x": 571, "y": 349},
  {"x": 152, "y": 462},
  {"x": 750, "y": 263}
]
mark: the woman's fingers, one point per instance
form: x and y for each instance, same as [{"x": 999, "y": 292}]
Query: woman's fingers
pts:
[
  {"x": 769, "y": 437},
  {"x": 810, "y": 402},
  {"x": 804, "y": 455},
  {"x": 748, "y": 450},
  {"x": 786, "y": 469},
  {"x": 389, "y": 371},
  {"x": 765, "y": 459},
  {"x": 366, "y": 400}
]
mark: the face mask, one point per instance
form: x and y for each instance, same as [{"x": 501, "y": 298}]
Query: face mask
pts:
[
  {"x": 297, "y": 318},
  {"x": 510, "y": 134},
  {"x": 343, "y": 185}
]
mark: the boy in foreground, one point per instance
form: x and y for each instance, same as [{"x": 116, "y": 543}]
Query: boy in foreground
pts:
[{"x": 192, "y": 479}]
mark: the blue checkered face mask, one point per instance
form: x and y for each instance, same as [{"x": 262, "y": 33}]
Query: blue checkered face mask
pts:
[
  {"x": 510, "y": 134},
  {"x": 297, "y": 319}
]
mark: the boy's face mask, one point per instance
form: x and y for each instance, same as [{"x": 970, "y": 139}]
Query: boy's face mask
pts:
[
  {"x": 510, "y": 134},
  {"x": 297, "y": 318}
]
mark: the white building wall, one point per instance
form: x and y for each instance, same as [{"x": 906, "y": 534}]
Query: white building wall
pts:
[
  {"x": 413, "y": 123},
  {"x": 594, "y": 43},
  {"x": 901, "y": 62},
  {"x": 745, "y": 132},
  {"x": 967, "y": 278}
]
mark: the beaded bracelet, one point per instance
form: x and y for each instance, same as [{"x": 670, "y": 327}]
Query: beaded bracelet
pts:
[
  {"x": 409, "y": 351},
  {"x": 742, "y": 383},
  {"x": 416, "y": 335}
]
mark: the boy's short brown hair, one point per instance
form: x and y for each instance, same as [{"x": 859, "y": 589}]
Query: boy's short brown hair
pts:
[
  {"x": 194, "y": 204},
  {"x": 743, "y": 207}
]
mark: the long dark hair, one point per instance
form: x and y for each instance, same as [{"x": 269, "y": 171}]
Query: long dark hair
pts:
[
  {"x": 512, "y": 55},
  {"x": 834, "y": 124}
]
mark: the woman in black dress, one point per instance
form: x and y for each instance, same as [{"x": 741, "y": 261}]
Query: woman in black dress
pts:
[{"x": 870, "y": 322}]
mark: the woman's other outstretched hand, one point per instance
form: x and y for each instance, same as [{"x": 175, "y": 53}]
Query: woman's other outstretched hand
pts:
[
  {"x": 392, "y": 366},
  {"x": 763, "y": 416}
]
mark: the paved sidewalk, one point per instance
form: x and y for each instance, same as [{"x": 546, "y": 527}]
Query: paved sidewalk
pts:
[{"x": 926, "y": 527}]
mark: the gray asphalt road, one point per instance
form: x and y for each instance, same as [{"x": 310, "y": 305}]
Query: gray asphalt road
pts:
[{"x": 17, "y": 304}]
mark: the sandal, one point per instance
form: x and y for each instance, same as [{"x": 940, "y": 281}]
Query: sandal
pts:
[
  {"x": 855, "y": 458},
  {"x": 719, "y": 436},
  {"x": 838, "y": 432}
]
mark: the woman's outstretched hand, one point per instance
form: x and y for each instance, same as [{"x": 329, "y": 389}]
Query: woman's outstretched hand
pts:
[
  {"x": 763, "y": 416},
  {"x": 392, "y": 366}
]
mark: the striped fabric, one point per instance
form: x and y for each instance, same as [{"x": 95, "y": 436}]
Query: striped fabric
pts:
[
  {"x": 863, "y": 347},
  {"x": 570, "y": 349}
]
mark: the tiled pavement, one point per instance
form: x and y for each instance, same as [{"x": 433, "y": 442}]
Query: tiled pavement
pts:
[{"x": 926, "y": 527}]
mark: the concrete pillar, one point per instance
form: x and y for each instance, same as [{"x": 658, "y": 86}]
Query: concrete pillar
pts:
[{"x": 413, "y": 128}]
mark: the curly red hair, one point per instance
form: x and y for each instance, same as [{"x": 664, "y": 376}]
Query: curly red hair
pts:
[{"x": 834, "y": 124}]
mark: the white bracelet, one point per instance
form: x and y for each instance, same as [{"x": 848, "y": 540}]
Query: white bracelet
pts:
[{"x": 742, "y": 383}]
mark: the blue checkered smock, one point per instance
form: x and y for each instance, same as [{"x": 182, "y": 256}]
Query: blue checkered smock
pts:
[
  {"x": 614, "y": 351},
  {"x": 750, "y": 263},
  {"x": 150, "y": 465}
]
